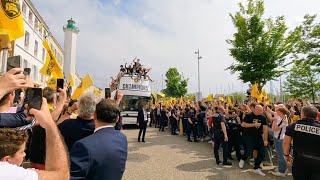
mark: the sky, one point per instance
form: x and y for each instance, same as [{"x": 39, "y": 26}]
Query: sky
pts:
[{"x": 163, "y": 34}]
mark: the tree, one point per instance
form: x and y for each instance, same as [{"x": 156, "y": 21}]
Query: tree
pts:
[
  {"x": 308, "y": 46},
  {"x": 176, "y": 84},
  {"x": 260, "y": 46},
  {"x": 302, "y": 81}
]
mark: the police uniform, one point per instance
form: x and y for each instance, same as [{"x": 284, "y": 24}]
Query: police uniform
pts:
[
  {"x": 306, "y": 149},
  {"x": 234, "y": 137},
  {"x": 191, "y": 127},
  {"x": 163, "y": 119},
  {"x": 219, "y": 137}
]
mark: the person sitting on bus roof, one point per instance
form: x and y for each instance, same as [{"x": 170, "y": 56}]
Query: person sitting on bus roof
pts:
[{"x": 129, "y": 69}]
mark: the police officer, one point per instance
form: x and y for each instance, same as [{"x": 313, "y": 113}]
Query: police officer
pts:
[
  {"x": 194, "y": 124},
  {"x": 163, "y": 118},
  {"x": 234, "y": 137},
  {"x": 220, "y": 135},
  {"x": 306, "y": 145},
  {"x": 174, "y": 121}
]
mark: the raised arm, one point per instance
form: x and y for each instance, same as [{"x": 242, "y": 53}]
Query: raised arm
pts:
[
  {"x": 13, "y": 79},
  {"x": 58, "y": 110},
  {"x": 57, "y": 164}
]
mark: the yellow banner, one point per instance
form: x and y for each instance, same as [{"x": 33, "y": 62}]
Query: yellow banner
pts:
[
  {"x": 255, "y": 91},
  {"x": 210, "y": 98},
  {"x": 52, "y": 83},
  {"x": 221, "y": 98},
  {"x": 229, "y": 101},
  {"x": 84, "y": 85},
  {"x": 51, "y": 67},
  {"x": 11, "y": 19},
  {"x": 181, "y": 100},
  {"x": 98, "y": 91}
]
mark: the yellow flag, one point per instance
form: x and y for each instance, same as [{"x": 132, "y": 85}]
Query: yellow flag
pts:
[
  {"x": 161, "y": 94},
  {"x": 255, "y": 91},
  {"x": 71, "y": 81},
  {"x": 221, "y": 98},
  {"x": 11, "y": 19},
  {"x": 264, "y": 94},
  {"x": 98, "y": 91},
  {"x": 181, "y": 100},
  {"x": 210, "y": 98},
  {"x": 52, "y": 83},
  {"x": 51, "y": 67},
  {"x": 84, "y": 85},
  {"x": 173, "y": 100},
  {"x": 229, "y": 101}
]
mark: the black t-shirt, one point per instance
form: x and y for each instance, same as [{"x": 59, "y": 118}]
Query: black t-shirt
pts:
[
  {"x": 217, "y": 119},
  {"x": 74, "y": 130},
  {"x": 186, "y": 116},
  {"x": 251, "y": 118},
  {"x": 233, "y": 125},
  {"x": 193, "y": 117}
]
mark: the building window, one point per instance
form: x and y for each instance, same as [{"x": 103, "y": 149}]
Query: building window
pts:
[
  {"x": 24, "y": 8},
  {"x": 35, "y": 48},
  {"x": 30, "y": 17},
  {"x": 35, "y": 73},
  {"x": 36, "y": 24},
  {"x": 45, "y": 34},
  {"x": 43, "y": 54},
  {"x": 26, "y": 39},
  {"x": 25, "y": 63},
  {"x": 40, "y": 29},
  {"x": 42, "y": 78}
]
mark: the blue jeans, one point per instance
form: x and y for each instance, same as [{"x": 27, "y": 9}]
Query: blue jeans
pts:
[{"x": 282, "y": 163}]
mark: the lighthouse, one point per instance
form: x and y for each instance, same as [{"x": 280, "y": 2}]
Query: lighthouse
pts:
[{"x": 71, "y": 32}]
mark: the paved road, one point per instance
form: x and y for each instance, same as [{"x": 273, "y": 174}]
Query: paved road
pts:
[{"x": 167, "y": 157}]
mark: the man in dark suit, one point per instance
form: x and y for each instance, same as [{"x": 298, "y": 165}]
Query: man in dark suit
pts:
[
  {"x": 143, "y": 121},
  {"x": 103, "y": 154}
]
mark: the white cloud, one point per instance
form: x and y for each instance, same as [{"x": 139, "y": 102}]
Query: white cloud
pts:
[{"x": 162, "y": 33}]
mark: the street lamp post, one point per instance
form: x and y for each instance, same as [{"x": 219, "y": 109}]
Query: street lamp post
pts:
[{"x": 199, "y": 57}]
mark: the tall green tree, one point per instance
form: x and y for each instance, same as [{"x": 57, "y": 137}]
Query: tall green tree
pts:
[
  {"x": 302, "y": 81},
  {"x": 176, "y": 84},
  {"x": 308, "y": 47},
  {"x": 259, "y": 46}
]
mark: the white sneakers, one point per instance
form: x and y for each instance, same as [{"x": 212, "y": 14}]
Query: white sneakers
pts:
[
  {"x": 258, "y": 171},
  {"x": 241, "y": 164},
  {"x": 279, "y": 174}
]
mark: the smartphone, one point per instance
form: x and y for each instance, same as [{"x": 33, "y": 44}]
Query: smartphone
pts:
[
  {"x": 27, "y": 71},
  {"x": 107, "y": 93},
  {"x": 13, "y": 62},
  {"x": 34, "y": 96},
  {"x": 60, "y": 84}
]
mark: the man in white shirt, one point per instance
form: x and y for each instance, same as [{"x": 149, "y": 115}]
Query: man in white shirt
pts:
[{"x": 12, "y": 153}]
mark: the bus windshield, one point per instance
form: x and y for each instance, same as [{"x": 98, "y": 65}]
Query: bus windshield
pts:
[{"x": 131, "y": 103}]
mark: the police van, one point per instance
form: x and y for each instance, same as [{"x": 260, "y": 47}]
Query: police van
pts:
[{"x": 136, "y": 90}]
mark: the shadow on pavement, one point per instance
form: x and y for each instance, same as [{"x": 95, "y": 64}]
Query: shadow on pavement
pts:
[{"x": 207, "y": 164}]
